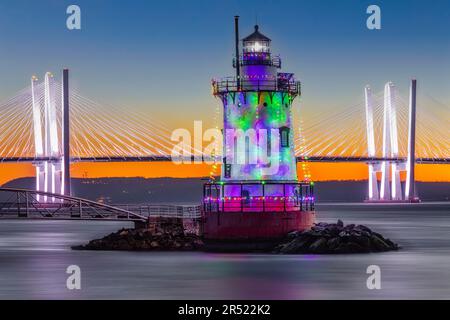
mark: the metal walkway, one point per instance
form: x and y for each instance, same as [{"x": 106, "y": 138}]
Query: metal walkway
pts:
[{"x": 30, "y": 204}]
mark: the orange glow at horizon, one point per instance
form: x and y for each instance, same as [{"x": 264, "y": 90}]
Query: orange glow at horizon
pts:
[{"x": 319, "y": 171}]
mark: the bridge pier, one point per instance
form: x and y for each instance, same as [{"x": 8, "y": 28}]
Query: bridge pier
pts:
[
  {"x": 373, "y": 167},
  {"x": 390, "y": 144},
  {"x": 390, "y": 186},
  {"x": 66, "y": 135},
  {"x": 410, "y": 164},
  {"x": 53, "y": 173}
]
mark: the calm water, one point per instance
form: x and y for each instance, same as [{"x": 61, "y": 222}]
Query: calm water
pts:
[{"x": 34, "y": 257}]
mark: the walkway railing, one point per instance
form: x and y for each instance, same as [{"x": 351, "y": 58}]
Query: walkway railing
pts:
[
  {"x": 22, "y": 203},
  {"x": 164, "y": 211}
]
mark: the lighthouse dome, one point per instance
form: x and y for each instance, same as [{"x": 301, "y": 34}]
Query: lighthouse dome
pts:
[{"x": 256, "y": 42}]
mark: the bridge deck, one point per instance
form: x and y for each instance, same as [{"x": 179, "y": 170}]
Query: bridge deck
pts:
[{"x": 168, "y": 158}]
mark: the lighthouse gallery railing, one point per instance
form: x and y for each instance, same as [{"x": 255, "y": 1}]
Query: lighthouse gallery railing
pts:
[{"x": 231, "y": 85}]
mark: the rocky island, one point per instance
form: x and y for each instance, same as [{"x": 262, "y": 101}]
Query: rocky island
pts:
[
  {"x": 166, "y": 235},
  {"x": 322, "y": 238},
  {"x": 335, "y": 238}
]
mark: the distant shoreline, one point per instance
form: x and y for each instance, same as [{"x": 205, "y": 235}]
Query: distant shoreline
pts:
[{"x": 189, "y": 190}]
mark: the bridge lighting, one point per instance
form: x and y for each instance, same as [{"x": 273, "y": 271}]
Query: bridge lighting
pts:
[
  {"x": 410, "y": 169},
  {"x": 390, "y": 188},
  {"x": 46, "y": 140}
]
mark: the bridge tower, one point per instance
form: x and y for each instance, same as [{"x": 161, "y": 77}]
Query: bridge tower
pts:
[
  {"x": 66, "y": 190},
  {"x": 390, "y": 148},
  {"x": 259, "y": 175},
  {"x": 390, "y": 186},
  {"x": 411, "y": 161},
  {"x": 52, "y": 173},
  {"x": 38, "y": 141},
  {"x": 371, "y": 151}
]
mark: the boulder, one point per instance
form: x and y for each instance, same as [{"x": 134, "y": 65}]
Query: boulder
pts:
[
  {"x": 166, "y": 234},
  {"x": 326, "y": 238},
  {"x": 319, "y": 246},
  {"x": 378, "y": 243},
  {"x": 333, "y": 243}
]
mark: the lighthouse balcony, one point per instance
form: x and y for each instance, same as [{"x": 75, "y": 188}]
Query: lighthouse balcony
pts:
[
  {"x": 258, "y": 197},
  {"x": 280, "y": 84},
  {"x": 264, "y": 59}
]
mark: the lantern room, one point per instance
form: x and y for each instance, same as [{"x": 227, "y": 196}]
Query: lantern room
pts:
[{"x": 256, "y": 43}]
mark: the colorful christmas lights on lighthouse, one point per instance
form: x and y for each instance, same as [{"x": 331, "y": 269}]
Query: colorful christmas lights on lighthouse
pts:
[
  {"x": 257, "y": 111},
  {"x": 258, "y": 195},
  {"x": 258, "y": 133}
]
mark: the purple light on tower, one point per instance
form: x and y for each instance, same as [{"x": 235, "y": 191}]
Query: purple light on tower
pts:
[{"x": 259, "y": 170}]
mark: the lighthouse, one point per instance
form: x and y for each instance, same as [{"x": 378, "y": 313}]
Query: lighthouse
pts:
[{"x": 259, "y": 196}]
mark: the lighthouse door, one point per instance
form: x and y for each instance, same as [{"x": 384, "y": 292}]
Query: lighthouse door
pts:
[
  {"x": 246, "y": 196},
  {"x": 215, "y": 194}
]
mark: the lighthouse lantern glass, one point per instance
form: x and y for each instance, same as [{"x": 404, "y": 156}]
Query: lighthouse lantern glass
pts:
[{"x": 256, "y": 46}]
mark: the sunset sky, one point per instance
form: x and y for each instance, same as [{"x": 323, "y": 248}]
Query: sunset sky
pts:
[{"x": 158, "y": 57}]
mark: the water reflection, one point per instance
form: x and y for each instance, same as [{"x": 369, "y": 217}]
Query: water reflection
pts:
[{"x": 34, "y": 257}]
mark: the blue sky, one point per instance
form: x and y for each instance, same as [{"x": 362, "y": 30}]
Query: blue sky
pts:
[{"x": 159, "y": 56}]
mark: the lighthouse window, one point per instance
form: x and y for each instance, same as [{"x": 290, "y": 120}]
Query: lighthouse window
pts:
[
  {"x": 227, "y": 171},
  {"x": 247, "y": 150},
  {"x": 284, "y": 136}
]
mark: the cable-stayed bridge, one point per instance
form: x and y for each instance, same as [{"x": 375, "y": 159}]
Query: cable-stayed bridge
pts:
[
  {"x": 100, "y": 132},
  {"x": 341, "y": 134},
  {"x": 37, "y": 125}
]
